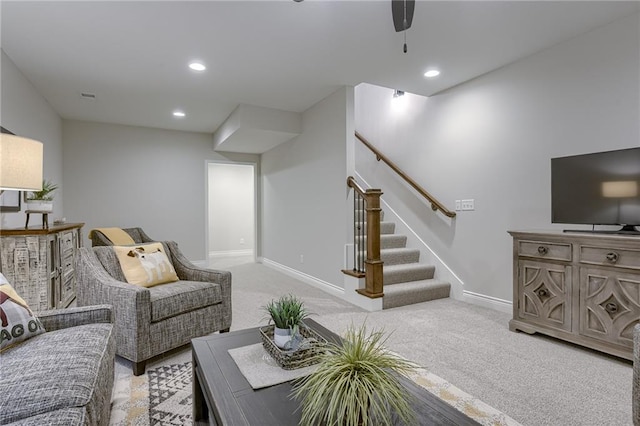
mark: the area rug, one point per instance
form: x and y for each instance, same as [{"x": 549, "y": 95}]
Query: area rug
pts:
[{"x": 162, "y": 397}]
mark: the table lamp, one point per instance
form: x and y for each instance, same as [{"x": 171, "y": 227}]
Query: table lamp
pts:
[{"x": 20, "y": 163}]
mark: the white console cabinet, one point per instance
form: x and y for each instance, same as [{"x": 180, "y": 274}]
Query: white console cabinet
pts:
[
  {"x": 580, "y": 287},
  {"x": 39, "y": 263}
]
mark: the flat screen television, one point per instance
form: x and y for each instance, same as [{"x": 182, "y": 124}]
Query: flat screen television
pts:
[{"x": 602, "y": 188}]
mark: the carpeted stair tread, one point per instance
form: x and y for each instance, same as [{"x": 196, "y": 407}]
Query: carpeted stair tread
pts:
[
  {"x": 385, "y": 227},
  {"x": 387, "y": 241},
  {"x": 414, "y": 292},
  {"x": 397, "y": 256},
  {"x": 393, "y": 241},
  {"x": 393, "y": 274}
]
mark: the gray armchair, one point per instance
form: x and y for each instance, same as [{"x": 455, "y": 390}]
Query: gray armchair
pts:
[
  {"x": 138, "y": 235},
  {"x": 151, "y": 321}
]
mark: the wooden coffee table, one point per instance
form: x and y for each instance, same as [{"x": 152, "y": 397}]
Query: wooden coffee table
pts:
[{"x": 222, "y": 395}]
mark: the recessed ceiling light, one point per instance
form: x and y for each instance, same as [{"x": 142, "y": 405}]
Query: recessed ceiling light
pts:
[
  {"x": 197, "y": 66},
  {"x": 179, "y": 114},
  {"x": 432, "y": 73}
]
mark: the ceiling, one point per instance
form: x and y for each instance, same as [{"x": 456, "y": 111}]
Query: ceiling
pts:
[{"x": 278, "y": 54}]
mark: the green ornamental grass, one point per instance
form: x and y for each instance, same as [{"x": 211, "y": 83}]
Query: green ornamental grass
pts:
[
  {"x": 286, "y": 312},
  {"x": 356, "y": 383}
]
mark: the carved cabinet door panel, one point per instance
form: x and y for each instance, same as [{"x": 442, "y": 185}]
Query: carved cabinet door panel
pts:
[
  {"x": 609, "y": 305},
  {"x": 68, "y": 244},
  {"x": 545, "y": 293}
]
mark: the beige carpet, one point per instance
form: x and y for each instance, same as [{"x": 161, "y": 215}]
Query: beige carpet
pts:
[{"x": 463, "y": 348}]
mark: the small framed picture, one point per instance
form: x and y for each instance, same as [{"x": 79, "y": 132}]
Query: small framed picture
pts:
[{"x": 10, "y": 201}]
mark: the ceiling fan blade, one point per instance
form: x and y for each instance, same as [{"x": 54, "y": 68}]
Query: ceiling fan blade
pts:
[{"x": 398, "y": 13}]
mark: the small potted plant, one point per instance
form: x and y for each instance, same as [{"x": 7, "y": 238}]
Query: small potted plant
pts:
[
  {"x": 287, "y": 314},
  {"x": 356, "y": 384},
  {"x": 42, "y": 201}
]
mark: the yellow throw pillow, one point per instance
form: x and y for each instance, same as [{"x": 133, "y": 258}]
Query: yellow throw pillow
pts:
[
  {"x": 16, "y": 318},
  {"x": 145, "y": 265}
]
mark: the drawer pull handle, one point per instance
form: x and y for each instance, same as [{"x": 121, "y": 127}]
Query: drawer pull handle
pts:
[
  {"x": 611, "y": 308},
  {"x": 612, "y": 257},
  {"x": 542, "y": 293},
  {"x": 542, "y": 250}
]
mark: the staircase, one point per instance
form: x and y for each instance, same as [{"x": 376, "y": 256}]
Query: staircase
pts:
[{"x": 406, "y": 280}]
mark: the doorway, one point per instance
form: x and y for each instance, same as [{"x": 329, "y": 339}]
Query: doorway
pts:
[{"x": 231, "y": 214}]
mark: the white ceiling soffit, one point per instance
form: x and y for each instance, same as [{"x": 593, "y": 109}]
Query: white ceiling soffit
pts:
[
  {"x": 285, "y": 55},
  {"x": 252, "y": 129}
]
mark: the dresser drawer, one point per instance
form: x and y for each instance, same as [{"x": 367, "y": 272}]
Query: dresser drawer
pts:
[
  {"x": 607, "y": 256},
  {"x": 544, "y": 250}
]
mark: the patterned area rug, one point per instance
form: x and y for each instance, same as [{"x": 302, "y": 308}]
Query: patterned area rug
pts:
[
  {"x": 162, "y": 397},
  {"x": 170, "y": 395}
]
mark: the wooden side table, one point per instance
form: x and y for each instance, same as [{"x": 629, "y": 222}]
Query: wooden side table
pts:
[{"x": 45, "y": 218}]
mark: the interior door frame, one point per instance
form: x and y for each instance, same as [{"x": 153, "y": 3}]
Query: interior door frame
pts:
[{"x": 256, "y": 233}]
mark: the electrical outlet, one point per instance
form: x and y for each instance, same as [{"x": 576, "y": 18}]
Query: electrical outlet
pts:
[
  {"x": 468, "y": 205},
  {"x": 301, "y": 258},
  {"x": 241, "y": 240},
  {"x": 458, "y": 205}
]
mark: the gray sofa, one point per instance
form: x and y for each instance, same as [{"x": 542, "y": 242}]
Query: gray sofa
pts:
[
  {"x": 63, "y": 376},
  {"x": 151, "y": 321}
]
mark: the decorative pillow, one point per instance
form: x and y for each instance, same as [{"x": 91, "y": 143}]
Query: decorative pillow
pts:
[
  {"x": 17, "y": 320},
  {"x": 145, "y": 265}
]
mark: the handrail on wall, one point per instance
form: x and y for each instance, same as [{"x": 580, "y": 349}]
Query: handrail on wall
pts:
[{"x": 435, "y": 204}]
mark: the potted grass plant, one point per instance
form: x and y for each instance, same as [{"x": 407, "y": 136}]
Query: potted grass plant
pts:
[
  {"x": 356, "y": 384},
  {"x": 42, "y": 200},
  {"x": 287, "y": 314}
]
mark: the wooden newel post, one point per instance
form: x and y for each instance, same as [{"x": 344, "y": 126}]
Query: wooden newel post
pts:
[{"x": 373, "y": 263}]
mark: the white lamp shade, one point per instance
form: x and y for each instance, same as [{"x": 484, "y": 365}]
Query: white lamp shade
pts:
[
  {"x": 20, "y": 163},
  {"x": 620, "y": 189}
]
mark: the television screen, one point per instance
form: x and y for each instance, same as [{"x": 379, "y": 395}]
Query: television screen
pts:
[{"x": 597, "y": 189}]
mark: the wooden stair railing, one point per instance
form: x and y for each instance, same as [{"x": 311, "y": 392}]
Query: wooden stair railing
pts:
[
  {"x": 435, "y": 204},
  {"x": 372, "y": 262}
]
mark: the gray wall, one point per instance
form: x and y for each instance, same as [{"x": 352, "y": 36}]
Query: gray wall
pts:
[
  {"x": 304, "y": 193},
  {"x": 127, "y": 176},
  {"x": 25, "y": 112},
  {"x": 491, "y": 140}
]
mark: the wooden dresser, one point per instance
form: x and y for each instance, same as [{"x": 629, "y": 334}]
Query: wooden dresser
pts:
[
  {"x": 580, "y": 287},
  {"x": 40, "y": 263}
]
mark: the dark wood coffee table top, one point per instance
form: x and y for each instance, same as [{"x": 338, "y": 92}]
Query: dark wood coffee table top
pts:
[{"x": 222, "y": 395}]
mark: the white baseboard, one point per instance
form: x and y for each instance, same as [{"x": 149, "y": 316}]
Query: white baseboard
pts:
[
  {"x": 306, "y": 278},
  {"x": 231, "y": 253},
  {"x": 488, "y": 302}
]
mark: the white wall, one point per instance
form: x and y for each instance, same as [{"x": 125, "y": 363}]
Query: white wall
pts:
[
  {"x": 491, "y": 139},
  {"x": 25, "y": 112},
  {"x": 304, "y": 193},
  {"x": 128, "y": 176},
  {"x": 231, "y": 208}
]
